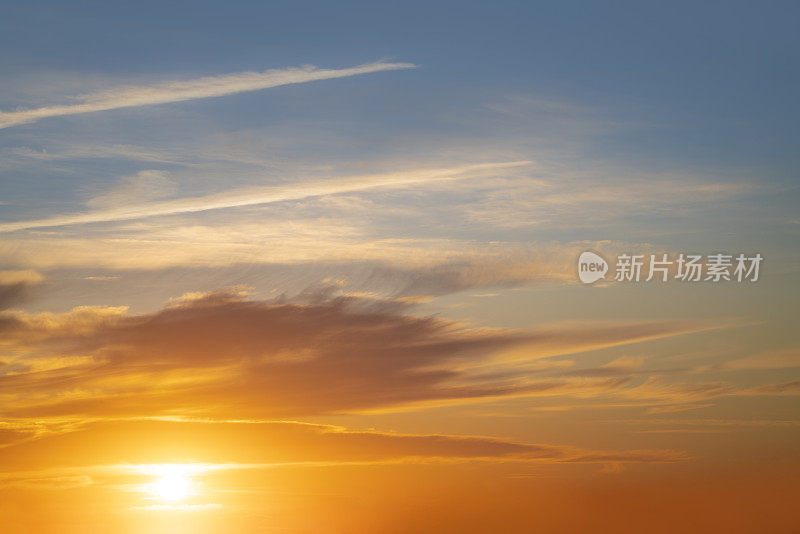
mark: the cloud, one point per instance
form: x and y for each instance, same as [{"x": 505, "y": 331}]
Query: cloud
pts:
[
  {"x": 690, "y": 394},
  {"x": 654, "y": 388},
  {"x": 278, "y": 443},
  {"x": 178, "y": 507},
  {"x": 294, "y": 254},
  {"x": 783, "y": 359},
  {"x": 303, "y": 252},
  {"x": 38, "y": 481},
  {"x": 222, "y": 354},
  {"x": 588, "y": 200},
  {"x": 785, "y": 388},
  {"x": 143, "y": 186},
  {"x": 486, "y": 266},
  {"x": 676, "y": 408},
  {"x": 722, "y": 423},
  {"x": 178, "y": 91},
  {"x": 624, "y": 365},
  {"x": 16, "y": 286},
  {"x": 263, "y": 195}
]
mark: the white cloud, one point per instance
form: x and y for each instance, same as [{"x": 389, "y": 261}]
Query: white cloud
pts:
[
  {"x": 143, "y": 186},
  {"x": 177, "y": 91},
  {"x": 263, "y": 195}
]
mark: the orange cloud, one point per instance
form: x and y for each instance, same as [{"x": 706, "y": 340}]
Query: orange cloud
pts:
[
  {"x": 222, "y": 354},
  {"x": 271, "y": 443}
]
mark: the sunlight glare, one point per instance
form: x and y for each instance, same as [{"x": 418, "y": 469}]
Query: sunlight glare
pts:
[{"x": 172, "y": 487}]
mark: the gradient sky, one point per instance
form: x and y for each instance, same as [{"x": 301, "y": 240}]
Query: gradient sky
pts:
[{"x": 314, "y": 265}]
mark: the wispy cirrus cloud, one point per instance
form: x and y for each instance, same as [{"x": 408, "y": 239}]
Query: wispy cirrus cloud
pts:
[
  {"x": 254, "y": 196},
  {"x": 179, "y": 91},
  {"x": 259, "y": 444},
  {"x": 782, "y": 359}
]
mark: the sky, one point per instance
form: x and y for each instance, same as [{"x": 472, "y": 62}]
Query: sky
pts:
[{"x": 314, "y": 267}]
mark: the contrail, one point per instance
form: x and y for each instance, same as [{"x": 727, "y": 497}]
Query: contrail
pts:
[
  {"x": 262, "y": 195},
  {"x": 178, "y": 91}
]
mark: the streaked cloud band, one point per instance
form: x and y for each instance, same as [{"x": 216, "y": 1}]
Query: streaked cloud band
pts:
[
  {"x": 178, "y": 91},
  {"x": 263, "y": 195}
]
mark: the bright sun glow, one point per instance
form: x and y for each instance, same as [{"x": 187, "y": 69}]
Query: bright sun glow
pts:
[
  {"x": 172, "y": 484},
  {"x": 172, "y": 487}
]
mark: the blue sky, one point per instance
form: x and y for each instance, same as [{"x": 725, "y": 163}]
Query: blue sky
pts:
[
  {"x": 665, "y": 124},
  {"x": 715, "y": 78}
]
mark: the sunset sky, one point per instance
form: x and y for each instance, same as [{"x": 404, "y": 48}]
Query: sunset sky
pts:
[{"x": 312, "y": 267}]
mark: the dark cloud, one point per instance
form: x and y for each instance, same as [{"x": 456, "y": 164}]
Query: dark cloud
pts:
[
  {"x": 225, "y": 355},
  {"x": 16, "y": 286}
]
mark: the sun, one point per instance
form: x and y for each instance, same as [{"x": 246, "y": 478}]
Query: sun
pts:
[
  {"x": 171, "y": 483},
  {"x": 172, "y": 487}
]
